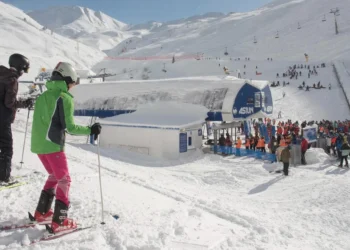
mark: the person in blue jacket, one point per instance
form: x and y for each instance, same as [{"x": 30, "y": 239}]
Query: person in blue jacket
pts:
[{"x": 338, "y": 144}]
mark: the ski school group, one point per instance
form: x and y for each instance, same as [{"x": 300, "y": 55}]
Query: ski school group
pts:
[
  {"x": 269, "y": 133},
  {"x": 53, "y": 116},
  {"x": 336, "y": 134}
]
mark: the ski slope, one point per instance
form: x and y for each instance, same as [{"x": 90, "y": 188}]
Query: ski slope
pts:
[
  {"x": 236, "y": 31},
  {"x": 202, "y": 202}
]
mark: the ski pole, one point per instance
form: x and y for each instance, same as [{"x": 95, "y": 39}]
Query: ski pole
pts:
[
  {"x": 99, "y": 173},
  {"x": 25, "y": 137}
]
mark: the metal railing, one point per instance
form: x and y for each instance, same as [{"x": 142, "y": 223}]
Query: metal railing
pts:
[{"x": 244, "y": 152}]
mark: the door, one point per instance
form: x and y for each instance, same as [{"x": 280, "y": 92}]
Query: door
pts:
[{"x": 190, "y": 142}]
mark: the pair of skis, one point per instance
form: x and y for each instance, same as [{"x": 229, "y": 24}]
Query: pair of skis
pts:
[
  {"x": 48, "y": 235},
  {"x": 9, "y": 185},
  {"x": 15, "y": 183}
]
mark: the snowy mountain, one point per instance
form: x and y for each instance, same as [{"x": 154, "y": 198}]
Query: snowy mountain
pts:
[
  {"x": 151, "y": 25},
  {"x": 90, "y": 27},
  {"x": 21, "y": 34},
  {"x": 211, "y": 35}
]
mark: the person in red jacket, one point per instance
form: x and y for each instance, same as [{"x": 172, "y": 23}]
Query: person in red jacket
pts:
[
  {"x": 304, "y": 147},
  {"x": 279, "y": 130}
]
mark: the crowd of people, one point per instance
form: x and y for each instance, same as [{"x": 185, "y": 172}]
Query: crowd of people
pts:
[
  {"x": 295, "y": 71},
  {"x": 287, "y": 133}
]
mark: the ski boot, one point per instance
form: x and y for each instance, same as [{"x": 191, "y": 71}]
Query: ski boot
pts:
[
  {"x": 43, "y": 213},
  {"x": 60, "y": 222}
]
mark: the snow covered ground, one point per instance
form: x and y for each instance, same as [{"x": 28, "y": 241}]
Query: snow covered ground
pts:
[{"x": 203, "y": 202}]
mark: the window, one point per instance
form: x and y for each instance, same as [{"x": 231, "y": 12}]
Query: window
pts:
[
  {"x": 263, "y": 99},
  {"x": 250, "y": 101},
  {"x": 257, "y": 100},
  {"x": 189, "y": 141}
]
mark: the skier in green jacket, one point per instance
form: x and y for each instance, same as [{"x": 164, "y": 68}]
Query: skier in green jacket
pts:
[{"x": 53, "y": 117}]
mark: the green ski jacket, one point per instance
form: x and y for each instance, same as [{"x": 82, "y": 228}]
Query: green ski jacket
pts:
[{"x": 53, "y": 117}]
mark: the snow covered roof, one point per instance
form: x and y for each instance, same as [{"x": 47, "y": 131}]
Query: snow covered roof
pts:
[
  {"x": 226, "y": 125},
  {"x": 167, "y": 115},
  {"x": 128, "y": 95}
]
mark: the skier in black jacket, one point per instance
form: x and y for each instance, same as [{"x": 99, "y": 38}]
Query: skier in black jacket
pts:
[{"x": 9, "y": 104}]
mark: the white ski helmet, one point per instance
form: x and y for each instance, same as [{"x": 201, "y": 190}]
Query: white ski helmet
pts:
[{"x": 68, "y": 73}]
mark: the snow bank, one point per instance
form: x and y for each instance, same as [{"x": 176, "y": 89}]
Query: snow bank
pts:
[{"x": 316, "y": 156}]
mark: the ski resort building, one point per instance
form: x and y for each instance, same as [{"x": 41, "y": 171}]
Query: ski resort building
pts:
[
  {"x": 226, "y": 98},
  {"x": 164, "y": 130}
]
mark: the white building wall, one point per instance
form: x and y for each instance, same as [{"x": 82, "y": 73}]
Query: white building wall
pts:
[
  {"x": 171, "y": 149},
  {"x": 155, "y": 142},
  {"x": 196, "y": 139},
  {"x": 161, "y": 143},
  {"x": 113, "y": 136}
]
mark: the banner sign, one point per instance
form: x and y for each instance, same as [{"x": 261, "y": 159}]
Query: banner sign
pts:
[{"x": 310, "y": 134}]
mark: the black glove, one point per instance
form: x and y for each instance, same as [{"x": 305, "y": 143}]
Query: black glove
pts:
[
  {"x": 27, "y": 103},
  {"x": 95, "y": 130}
]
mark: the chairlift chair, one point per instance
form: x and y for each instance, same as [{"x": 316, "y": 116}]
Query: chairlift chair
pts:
[
  {"x": 277, "y": 35},
  {"x": 299, "y": 27},
  {"x": 324, "y": 18},
  {"x": 255, "y": 41},
  {"x": 226, "y": 53}
]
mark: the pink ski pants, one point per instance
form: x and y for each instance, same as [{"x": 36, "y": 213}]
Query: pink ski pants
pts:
[{"x": 59, "y": 179}]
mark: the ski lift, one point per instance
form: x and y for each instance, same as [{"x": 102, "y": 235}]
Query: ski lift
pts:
[
  {"x": 299, "y": 27},
  {"x": 131, "y": 75},
  {"x": 164, "y": 70},
  {"x": 255, "y": 41},
  {"x": 277, "y": 35},
  {"x": 324, "y": 18},
  {"x": 226, "y": 53}
]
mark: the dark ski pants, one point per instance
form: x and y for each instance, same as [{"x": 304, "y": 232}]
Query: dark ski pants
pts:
[
  {"x": 6, "y": 150},
  {"x": 339, "y": 154},
  {"x": 5, "y": 163},
  {"x": 342, "y": 160},
  {"x": 285, "y": 168},
  {"x": 303, "y": 161}
]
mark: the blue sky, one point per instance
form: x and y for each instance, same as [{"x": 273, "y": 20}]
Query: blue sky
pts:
[{"x": 139, "y": 11}]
